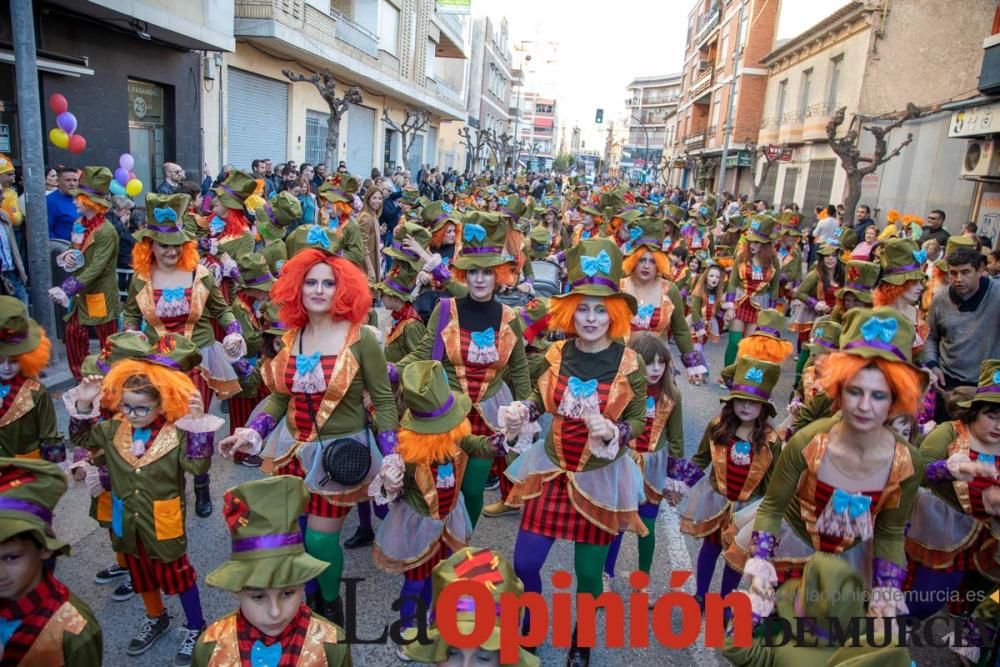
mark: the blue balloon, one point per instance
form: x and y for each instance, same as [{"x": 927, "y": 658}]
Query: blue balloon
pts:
[{"x": 118, "y": 189}]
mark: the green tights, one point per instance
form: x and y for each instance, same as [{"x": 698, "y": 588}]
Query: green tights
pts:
[
  {"x": 647, "y": 545},
  {"x": 734, "y": 342},
  {"x": 588, "y": 560},
  {"x": 326, "y": 547},
  {"x": 476, "y": 472}
]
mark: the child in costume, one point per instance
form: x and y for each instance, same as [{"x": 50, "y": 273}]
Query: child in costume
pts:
[
  {"x": 753, "y": 283},
  {"x": 706, "y": 298},
  {"x": 336, "y": 215},
  {"x": 738, "y": 453},
  {"x": 41, "y": 621},
  {"x": 27, "y": 416},
  {"x": 272, "y": 220},
  {"x": 158, "y": 434},
  {"x": 229, "y": 235},
  {"x": 816, "y": 297},
  {"x": 267, "y": 571},
  {"x": 764, "y": 344}
]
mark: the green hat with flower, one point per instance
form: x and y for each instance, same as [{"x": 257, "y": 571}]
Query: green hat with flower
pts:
[
  {"x": 789, "y": 224},
  {"x": 483, "y": 237},
  {"x": 410, "y": 194},
  {"x": 825, "y": 250},
  {"x": 317, "y": 237},
  {"x": 30, "y": 489},
  {"x": 754, "y": 380},
  {"x": 645, "y": 232},
  {"x": 18, "y": 332},
  {"x": 877, "y": 333},
  {"x": 594, "y": 268},
  {"x": 399, "y": 281},
  {"x": 988, "y": 390},
  {"x": 405, "y": 230},
  {"x": 267, "y": 543},
  {"x": 431, "y": 405},
  {"x": 703, "y": 213},
  {"x": 272, "y": 217},
  {"x": 760, "y": 229},
  {"x": 533, "y": 319},
  {"x": 437, "y": 214},
  {"x": 340, "y": 188},
  {"x": 902, "y": 260},
  {"x": 234, "y": 191},
  {"x": 95, "y": 185},
  {"x": 165, "y": 219},
  {"x": 111, "y": 353},
  {"x": 859, "y": 279},
  {"x": 254, "y": 272},
  {"x": 825, "y": 337}
]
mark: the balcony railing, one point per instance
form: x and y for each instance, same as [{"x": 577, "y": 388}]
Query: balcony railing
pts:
[
  {"x": 701, "y": 85},
  {"x": 444, "y": 90},
  {"x": 694, "y": 141},
  {"x": 821, "y": 110},
  {"x": 351, "y": 33},
  {"x": 451, "y": 21},
  {"x": 708, "y": 22}
]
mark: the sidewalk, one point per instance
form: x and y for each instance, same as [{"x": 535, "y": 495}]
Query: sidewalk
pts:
[{"x": 56, "y": 375}]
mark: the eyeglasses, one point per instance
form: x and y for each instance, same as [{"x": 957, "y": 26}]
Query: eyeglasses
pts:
[{"x": 139, "y": 411}]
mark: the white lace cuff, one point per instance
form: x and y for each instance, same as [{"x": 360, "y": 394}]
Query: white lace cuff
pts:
[
  {"x": 697, "y": 370},
  {"x": 69, "y": 401},
  {"x": 954, "y": 461},
  {"x": 887, "y": 602},
  {"x": 432, "y": 263},
  {"x": 203, "y": 424},
  {"x": 253, "y": 437},
  {"x": 238, "y": 339},
  {"x": 524, "y": 437},
  {"x": 388, "y": 483}
]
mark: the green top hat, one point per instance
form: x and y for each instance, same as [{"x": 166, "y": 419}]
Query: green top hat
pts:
[
  {"x": 512, "y": 206},
  {"x": 614, "y": 200},
  {"x": 830, "y": 589},
  {"x": 272, "y": 323},
  {"x": 413, "y": 230},
  {"x": 953, "y": 244},
  {"x": 552, "y": 203},
  {"x": 341, "y": 188},
  {"x": 437, "y": 214},
  {"x": 594, "y": 268},
  {"x": 483, "y": 236},
  {"x": 723, "y": 251},
  {"x": 165, "y": 219},
  {"x": 410, "y": 194},
  {"x": 988, "y": 390},
  {"x": 770, "y": 323},
  {"x": 675, "y": 212},
  {"x": 761, "y": 229},
  {"x": 534, "y": 317},
  {"x": 29, "y": 492},
  {"x": 399, "y": 281},
  {"x": 754, "y": 380},
  {"x": 825, "y": 250},
  {"x": 736, "y": 222},
  {"x": 233, "y": 191},
  {"x": 703, "y": 213},
  {"x": 172, "y": 351},
  {"x": 267, "y": 544},
  {"x": 95, "y": 185},
  {"x": 317, "y": 237},
  {"x": 877, "y": 333},
  {"x": 431, "y": 405},
  {"x": 112, "y": 352},
  {"x": 645, "y": 233},
  {"x": 591, "y": 210},
  {"x": 18, "y": 332},
  {"x": 825, "y": 337},
  {"x": 496, "y": 573},
  {"x": 902, "y": 260},
  {"x": 539, "y": 242},
  {"x": 859, "y": 279},
  {"x": 254, "y": 272},
  {"x": 789, "y": 224},
  {"x": 273, "y": 216}
]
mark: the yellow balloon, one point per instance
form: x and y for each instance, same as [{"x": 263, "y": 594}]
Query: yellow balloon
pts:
[
  {"x": 58, "y": 137},
  {"x": 133, "y": 187}
]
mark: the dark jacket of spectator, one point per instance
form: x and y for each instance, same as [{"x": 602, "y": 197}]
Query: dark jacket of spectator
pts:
[
  {"x": 166, "y": 188},
  {"x": 940, "y": 235},
  {"x": 62, "y": 215},
  {"x": 860, "y": 225}
]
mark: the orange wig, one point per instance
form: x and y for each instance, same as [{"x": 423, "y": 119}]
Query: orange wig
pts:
[
  {"x": 236, "y": 222},
  {"x": 174, "y": 388},
  {"x": 430, "y": 448},
  {"x": 95, "y": 208},
  {"x": 351, "y": 301},
  {"x": 143, "y": 259},
  {"x": 887, "y": 293},
  {"x": 34, "y": 361},
  {"x": 437, "y": 238},
  {"x": 631, "y": 261},
  {"x": 506, "y": 274},
  {"x": 836, "y": 369},
  {"x": 563, "y": 310},
  {"x": 764, "y": 348}
]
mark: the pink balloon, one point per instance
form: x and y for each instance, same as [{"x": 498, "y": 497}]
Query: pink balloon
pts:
[
  {"x": 66, "y": 122},
  {"x": 126, "y": 162},
  {"x": 121, "y": 175},
  {"x": 77, "y": 143},
  {"x": 58, "y": 103},
  {"x": 131, "y": 175}
]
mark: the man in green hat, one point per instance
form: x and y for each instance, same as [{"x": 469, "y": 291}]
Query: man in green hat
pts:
[
  {"x": 41, "y": 621},
  {"x": 267, "y": 571},
  {"x": 273, "y": 219},
  {"x": 90, "y": 293}
]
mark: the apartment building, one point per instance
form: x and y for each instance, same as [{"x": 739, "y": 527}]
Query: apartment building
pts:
[
  {"x": 490, "y": 82},
  {"x": 538, "y": 128},
  {"x": 651, "y": 104}
]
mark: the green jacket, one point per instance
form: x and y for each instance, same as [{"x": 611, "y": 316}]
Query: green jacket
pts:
[
  {"x": 252, "y": 335},
  {"x": 818, "y": 407},
  {"x": 148, "y": 499},
  {"x": 935, "y": 448},
  {"x": 415, "y": 496},
  {"x": 403, "y": 340},
  {"x": 237, "y": 246},
  {"x": 275, "y": 254},
  {"x": 71, "y": 637},
  {"x": 30, "y": 422},
  {"x": 791, "y": 270},
  {"x": 97, "y": 300}
]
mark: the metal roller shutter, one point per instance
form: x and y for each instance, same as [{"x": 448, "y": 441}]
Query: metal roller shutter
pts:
[
  {"x": 788, "y": 189},
  {"x": 256, "y": 119},
  {"x": 819, "y": 185},
  {"x": 416, "y": 156},
  {"x": 432, "y": 145},
  {"x": 360, "y": 140}
]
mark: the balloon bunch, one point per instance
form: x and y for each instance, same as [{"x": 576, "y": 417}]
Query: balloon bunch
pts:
[
  {"x": 65, "y": 135},
  {"x": 125, "y": 181}
]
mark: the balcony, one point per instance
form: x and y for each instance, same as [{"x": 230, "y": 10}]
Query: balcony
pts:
[
  {"x": 452, "y": 42},
  {"x": 707, "y": 25},
  {"x": 702, "y": 87},
  {"x": 768, "y": 130},
  {"x": 816, "y": 119},
  {"x": 790, "y": 131},
  {"x": 694, "y": 141},
  {"x": 444, "y": 90},
  {"x": 351, "y": 33}
]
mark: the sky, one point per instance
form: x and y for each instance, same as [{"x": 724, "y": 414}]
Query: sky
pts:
[{"x": 604, "y": 46}]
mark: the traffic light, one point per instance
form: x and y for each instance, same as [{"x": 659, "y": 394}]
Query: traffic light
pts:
[{"x": 600, "y": 116}]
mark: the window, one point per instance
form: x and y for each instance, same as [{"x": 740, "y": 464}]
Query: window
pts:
[
  {"x": 315, "y": 136},
  {"x": 819, "y": 184},
  {"x": 779, "y": 107},
  {"x": 831, "y": 96},
  {"x": 431, "y": 51},
  {"x": 388, "y": 33},
  {"x": 716, "y": 108},
  {"x": 804, "y": 92},
  {"x": 723, "y": 46}
]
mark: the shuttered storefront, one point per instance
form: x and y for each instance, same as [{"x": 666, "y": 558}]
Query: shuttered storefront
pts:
[
  {"x": 432, "y": 145},
  {"x": 360, "y": 140},
  {"x": 416, "y": 154},
  {"x": 770, "y": 183},
  {"x": 256, "y": 119},
  {"x": 819, "y": 185},
  {"x": 788, "y": 188}
]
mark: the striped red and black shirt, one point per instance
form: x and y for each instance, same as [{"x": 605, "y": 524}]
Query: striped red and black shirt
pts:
[
  {"x": 291, "y": 638},
  {"x": 33, "y": 612},
  {"x": 303, "y": 407}
]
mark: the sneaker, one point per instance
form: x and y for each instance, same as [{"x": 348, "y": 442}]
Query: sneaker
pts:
[
  {"x": 499, "y": 508},
  {"x": 401, "y": 655},
  {"x": 250, "y": 461},
  {"x": 609, "y": 582},
  {"x": 151, "y": 630},
  {"x": 124, "y": 591},
  {"x": 110, "y": 574},
  {"x": 186, "y": 649},
  {"x": 492, "y": 482}
]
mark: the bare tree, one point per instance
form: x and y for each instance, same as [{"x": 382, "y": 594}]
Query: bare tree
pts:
[
  {"x": 327, "y": 87},
  {"x": 502, "y": 146},
  {"x": 770, "y": 157},
  {"x": 416, "y": 121},
  {"x": 473, "y": 147},
  {"x": 856, "y": 165}
]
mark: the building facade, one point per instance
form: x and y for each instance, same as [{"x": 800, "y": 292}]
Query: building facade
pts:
[
  {"x": 538, "y": 130},
  {"x": 649, "y": 121},
  {"x": 490, "y": 83}
]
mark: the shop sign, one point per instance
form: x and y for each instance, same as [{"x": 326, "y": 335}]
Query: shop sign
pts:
[{"x": 145, "y": 103}]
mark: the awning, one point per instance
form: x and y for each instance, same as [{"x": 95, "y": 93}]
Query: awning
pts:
[{"x": 51, "y": 65}]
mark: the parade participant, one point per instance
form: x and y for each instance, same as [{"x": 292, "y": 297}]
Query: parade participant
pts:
[
  {"x": 317, "y": 382},
  {"x": 368, "y": 222},
  {"x": 435, "y": 446},
  {"x": 950, "y": 539},
  {"x": 476, "y": 340},
  {"x": 679, "y": 273},
  {"x": 706, "y": 298},
  {"x": 267, "y": 571},
  {"x": 43, "y": 623},
  {"x": 159, "y": 432},
  {"x": 445, "y": 228},
  {"x": 753, "y": 282},
  {"x": 27, "y": 415},
  {"x": 816, "y": 296},
  {"x": 538, "y": 244},
  {"x": 809, "y": 403},
  {"x": 406, "y": 328},
  {"x": 659, "y": 449},
  {"x": 579, "y": 484},
  {"x": 586, "y": 226},
  {"x": 695, "y": 267},
  {"x": 90, "y": 293},
  {"x": 738, "y": 454},
  {"x": 901, "y": 285},
  {"x": 337, "y": 198},
  {"x": 171, "y": 293},
  {"x": 764, "y": 344},
  {"x": 229, "y": 234},
  {"x": 789, "y": 259},
  {"x": 697, "y": 233},
  {"x": 860, "y": 279},
  {"x": 844, "y": 485},
  {"x": 660, "y": 308},
  {"x": 495, "y": 572},
  {"x": 552, "y": 207},
  {"x": 272, "y": 220},
  {"x": 512, "y": 208}
]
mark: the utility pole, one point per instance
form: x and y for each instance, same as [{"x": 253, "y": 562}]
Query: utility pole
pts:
[
  {"x": 30, "y": 124},
  {"x": 727, "y": 131}
]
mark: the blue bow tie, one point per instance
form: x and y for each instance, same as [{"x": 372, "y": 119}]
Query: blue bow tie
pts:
[
  {"x": 989, "y": 459},
  {"x": 742, "y": 447},
  {"x": 503, "y": 201},
  {"x": 304, "y": 363},
  {"x": 650, "y": 404},
  {"x": 484, "y": 338},
  {"x": 755, "y": 375},
  {"x": 164, "y": 214},
  {"x": 4, "y": 390},
  {"x": 265, "y": 656},
  {"x": 920, "y": 256},
  {"x": 855, "y": 504},
  {"x": 600, "y": 264},
  {"x": 996, "y": 377},
  {"x": 7, "y": 630},
  {"x": 839, "y": 231},
  {"x": 580, "y": 388},
  {"x": 880, "y": 328},
  {"x": 646, "y": 310},
  {"x": 447, "y": 208},
  {"x": 474, "y": 232},
  {"x": 317, "y": 236},
  {"x": 78, "y": 228},
  {"x": 755, "y": 225},
  {"x": 173, "y": 294},
  {"x": 445, "y": 470},
  {"x": 216, "y": 225},
  {"x": 703, "y": 211},
  {"x": 142, "y": 435}
]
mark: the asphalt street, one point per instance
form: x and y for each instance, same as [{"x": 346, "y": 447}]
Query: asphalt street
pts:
[{"x": 208, "y": 541}]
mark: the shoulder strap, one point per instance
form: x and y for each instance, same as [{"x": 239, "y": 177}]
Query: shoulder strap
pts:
[{"x": 444, "y": 316}]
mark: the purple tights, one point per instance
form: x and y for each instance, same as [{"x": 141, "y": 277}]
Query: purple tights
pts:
[
  {"x": 930, "y": 590},
  {"x": 412, "y": 589},
  {"x": 707, "y": 558}
]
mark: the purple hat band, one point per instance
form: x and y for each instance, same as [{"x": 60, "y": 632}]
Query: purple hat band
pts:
[
  {"x": 96, "y": 193},
  {"x": 163, "y": 229},
  {"x": 14, "y": 337},
  {"x": 396, "y": 286},
  {"x": 826, "y": 344},
  {"x": 433, "y": 414},
  {"x": 878, "y": 345},
  {"x": 747, "y": 389},
  {"x": 408, "y": 253},
  {"x": 263, "y": 278},
  {"x": 19, "y": 505},
  {"x": 270, "y": 213},
  {"x": 769, "y": 330},
  {"x": 466, "y": 605},
  {"x": 104, "y": 368},
  {"x": 595, "y": 280},
  {"x": 163, "y": 361},
  {"x": 485, "y": 250},
  {"x": 228, "y": 190},
  {"x": 857, "y": 286},
  {"x": 989, "y": 389},
  {"x": 262, "y": 542},
  {"x": 441, "y": 217},
  {"x": 902, "y": 269}
]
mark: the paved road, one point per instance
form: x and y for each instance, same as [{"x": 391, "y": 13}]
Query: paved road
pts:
[{"x": 209, "y": 546}]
